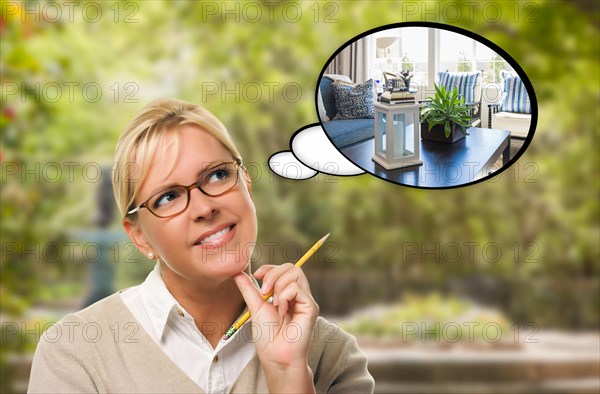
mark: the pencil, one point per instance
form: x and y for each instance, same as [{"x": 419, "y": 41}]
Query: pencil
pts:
[{"x": 244, "y": 318}]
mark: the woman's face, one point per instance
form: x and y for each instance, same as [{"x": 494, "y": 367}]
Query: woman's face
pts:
[{"x": 214, "y": 237}]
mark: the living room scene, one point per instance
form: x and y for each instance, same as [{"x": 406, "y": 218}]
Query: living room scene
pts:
[{"x": 459, "y": 110}]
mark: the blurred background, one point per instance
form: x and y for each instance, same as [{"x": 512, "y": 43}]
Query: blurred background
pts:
[{"x": 492, "y": 287}]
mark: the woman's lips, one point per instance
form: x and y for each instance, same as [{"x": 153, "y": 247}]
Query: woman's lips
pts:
[{"x": 217, "y": 239}]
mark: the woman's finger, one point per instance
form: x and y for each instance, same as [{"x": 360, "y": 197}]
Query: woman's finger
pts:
[
  {"x": 249, "y": 292},
  {"x": 273, "y": 275},
  {"x": 262, "y": 270},
  {"x": 295, "y": 274},
  {"x": 299, "y": 298}
]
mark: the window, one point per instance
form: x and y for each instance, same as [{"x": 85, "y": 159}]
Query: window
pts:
[
  {"x": 400, "y": 49},
  {"x": 413, "y": 49},
  {"x": 461, "y": 53},
  {"x": 490, "y": 62}
]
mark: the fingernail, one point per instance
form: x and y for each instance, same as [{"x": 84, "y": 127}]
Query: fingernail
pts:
[{"x": 263, "y": 288}]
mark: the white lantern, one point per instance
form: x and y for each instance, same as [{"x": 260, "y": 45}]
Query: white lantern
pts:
[{"x": 397, "y": 135}]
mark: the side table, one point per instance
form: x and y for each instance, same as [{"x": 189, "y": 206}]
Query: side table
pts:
[{"x": 397, "y": 135}]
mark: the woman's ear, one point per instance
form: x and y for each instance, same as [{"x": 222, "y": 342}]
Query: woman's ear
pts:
[{"x": 135, "y": 233}]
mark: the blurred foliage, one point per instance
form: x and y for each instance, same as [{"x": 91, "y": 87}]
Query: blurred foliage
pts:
[
  {"x": 431, "y": 318},
  {"x": 543, "y": 212}
]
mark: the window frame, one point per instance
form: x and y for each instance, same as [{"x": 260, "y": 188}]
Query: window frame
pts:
[{"x": 433, "y": 58}]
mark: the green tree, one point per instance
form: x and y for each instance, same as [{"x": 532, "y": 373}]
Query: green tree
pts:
[
  {"x": 496, "y": 65},
  {"x": 407, "y": 63},
  {"x": 464, "y": 64}
]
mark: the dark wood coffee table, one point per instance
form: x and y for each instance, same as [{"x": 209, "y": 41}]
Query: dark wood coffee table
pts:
[{"x": 444, "y": 165}]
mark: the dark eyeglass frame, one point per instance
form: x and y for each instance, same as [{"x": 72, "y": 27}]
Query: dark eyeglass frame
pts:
[{"x": 189, "y": 188}]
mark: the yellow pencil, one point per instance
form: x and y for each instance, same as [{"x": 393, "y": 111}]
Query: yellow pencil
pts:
[{"x": 239, "y": 322}]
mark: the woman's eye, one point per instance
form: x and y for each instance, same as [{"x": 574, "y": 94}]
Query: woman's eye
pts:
[
  {"x": 218, "y": 176},
  {"x": 166, "y": 198}
]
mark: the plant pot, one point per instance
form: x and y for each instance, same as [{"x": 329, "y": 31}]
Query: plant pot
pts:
[{"x": 437, "y": 133}]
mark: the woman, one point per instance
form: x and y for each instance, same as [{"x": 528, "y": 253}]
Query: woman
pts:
[{"x": 166, "y": 335}]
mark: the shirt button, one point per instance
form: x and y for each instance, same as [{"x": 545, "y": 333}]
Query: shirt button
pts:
[
  {"x": 215, "y": 359},
  {"x": 180, "y": 312}
]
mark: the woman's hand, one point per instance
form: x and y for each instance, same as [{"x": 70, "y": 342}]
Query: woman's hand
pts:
[{"x": 282, "y": 330}]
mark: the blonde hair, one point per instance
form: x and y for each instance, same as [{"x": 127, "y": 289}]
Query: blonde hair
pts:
[{"x": 142, "y": 137}]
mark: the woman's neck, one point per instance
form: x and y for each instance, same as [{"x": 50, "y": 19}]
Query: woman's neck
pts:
[{"x": 213, "y": 307}]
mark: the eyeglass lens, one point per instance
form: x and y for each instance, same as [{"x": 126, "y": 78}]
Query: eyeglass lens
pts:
[{"x": 213, "y": 182}]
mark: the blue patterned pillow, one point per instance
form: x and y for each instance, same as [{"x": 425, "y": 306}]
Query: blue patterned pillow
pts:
[
  {"x": 514, "y": 94},
  {"x": 466, "y": 82},
  {"x": 354, "y": 102}
]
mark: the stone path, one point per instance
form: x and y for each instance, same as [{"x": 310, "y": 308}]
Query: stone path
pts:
[{"x": 557, "y": 363}]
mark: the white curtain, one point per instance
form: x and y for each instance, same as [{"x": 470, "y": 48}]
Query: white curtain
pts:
[{"x": 352, "y": 61}]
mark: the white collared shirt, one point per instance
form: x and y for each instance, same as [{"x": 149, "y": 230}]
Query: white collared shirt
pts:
[{"x": 174, "y": 330}]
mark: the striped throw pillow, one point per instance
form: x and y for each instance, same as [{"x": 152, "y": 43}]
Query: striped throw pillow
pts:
[
  {"x": 466, "y": 82},
  {"x": 514, "y": 94}
]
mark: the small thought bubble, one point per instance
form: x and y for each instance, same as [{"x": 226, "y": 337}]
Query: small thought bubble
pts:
[{"x": 286, "y": 165}]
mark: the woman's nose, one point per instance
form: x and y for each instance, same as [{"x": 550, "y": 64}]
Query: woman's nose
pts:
[{"x": 201, "y": 206}]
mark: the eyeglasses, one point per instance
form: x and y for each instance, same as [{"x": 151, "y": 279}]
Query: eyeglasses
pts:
[{"x": 213, "y": 182}]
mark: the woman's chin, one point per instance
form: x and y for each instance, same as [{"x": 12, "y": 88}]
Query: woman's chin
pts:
[{"x": 225, "y": 269}]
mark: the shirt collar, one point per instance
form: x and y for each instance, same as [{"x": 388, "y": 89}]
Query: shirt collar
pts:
[{"x": 160, "y": 303}]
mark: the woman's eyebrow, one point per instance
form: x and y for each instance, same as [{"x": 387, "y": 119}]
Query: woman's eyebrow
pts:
[
  {"x": 161, "y": 188},
  {"x": 206, "y": 166}
]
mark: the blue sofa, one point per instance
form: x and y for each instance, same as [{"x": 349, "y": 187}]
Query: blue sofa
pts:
[{"x": 342, "y": 132}]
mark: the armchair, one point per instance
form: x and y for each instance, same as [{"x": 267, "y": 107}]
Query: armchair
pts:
[
  {"x": 513, "y": 111},
  {"x": 468, "y": 88}
]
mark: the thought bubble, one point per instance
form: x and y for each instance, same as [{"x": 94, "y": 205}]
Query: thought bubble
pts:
[
  {"x": 286, "y": 165},
  {"x": 390, "y": 125},
  {"x": 312, "y": 147},
  {"x": 312, "y": 152}
]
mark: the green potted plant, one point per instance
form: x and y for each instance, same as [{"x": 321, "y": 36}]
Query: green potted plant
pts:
[{"x": 445, "y": 117}]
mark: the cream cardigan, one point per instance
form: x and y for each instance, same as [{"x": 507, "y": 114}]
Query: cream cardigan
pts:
[{"x": 96, "y": 350}]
